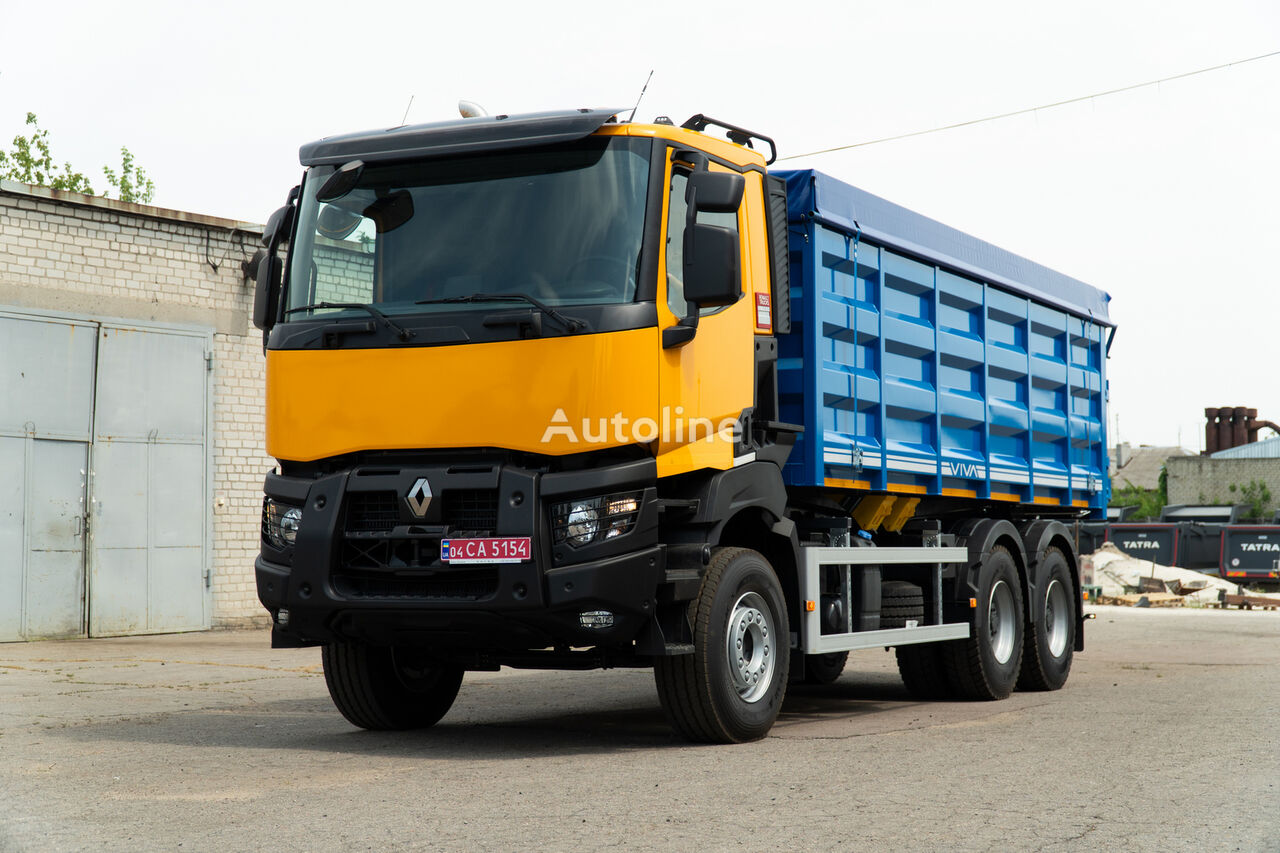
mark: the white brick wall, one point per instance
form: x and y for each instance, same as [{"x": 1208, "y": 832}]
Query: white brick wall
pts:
[{"x": 77, "y": 254}]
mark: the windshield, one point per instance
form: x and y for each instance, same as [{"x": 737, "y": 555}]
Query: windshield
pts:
[{"x": 563, "y": 225}]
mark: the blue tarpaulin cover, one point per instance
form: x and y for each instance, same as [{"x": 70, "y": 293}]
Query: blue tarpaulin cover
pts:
[{"x": 812, "y": 194}]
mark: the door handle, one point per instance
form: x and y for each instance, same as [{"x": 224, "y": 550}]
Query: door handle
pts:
[{"x": 79, "y": 527}]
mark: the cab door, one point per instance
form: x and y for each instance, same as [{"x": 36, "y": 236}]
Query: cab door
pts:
[{"x": 706, "y": 383}]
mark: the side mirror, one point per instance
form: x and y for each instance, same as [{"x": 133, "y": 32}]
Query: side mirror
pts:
[
  {"x": 278, "y": 225},
  {"x": 341, "y": 182},
  {"x": 266, "y": 297},
  {"x": 711, "y": 274},
  {"x": 268, "y": 270},
  {"x": 715, "y": 192}
]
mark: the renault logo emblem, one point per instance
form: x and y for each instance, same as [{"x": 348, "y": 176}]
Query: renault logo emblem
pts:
[{"x": 419, "y": 497}]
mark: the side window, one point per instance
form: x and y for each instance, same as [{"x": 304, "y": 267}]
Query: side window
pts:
[{"x": 676, "y": 217}]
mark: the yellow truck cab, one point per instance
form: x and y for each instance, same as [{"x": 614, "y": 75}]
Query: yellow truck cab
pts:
[{"x": 523, "y": 388}]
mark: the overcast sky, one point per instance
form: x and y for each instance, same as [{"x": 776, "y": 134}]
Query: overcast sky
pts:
[{"x": 1166, "y": 197}]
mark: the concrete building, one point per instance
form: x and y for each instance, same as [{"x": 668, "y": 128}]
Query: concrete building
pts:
[
  {"x": 1209, "y": 479},
  {"x": 131, "y": 418}
]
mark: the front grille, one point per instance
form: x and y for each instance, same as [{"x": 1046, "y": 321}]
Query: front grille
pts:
[
  {"x": 473, "y": 510},
  {"x": 382, "y": 553},
  {"x": 462, "y": 585},
  {"x": 369, "y": 543},
  {"x": 372, "y": 512}
]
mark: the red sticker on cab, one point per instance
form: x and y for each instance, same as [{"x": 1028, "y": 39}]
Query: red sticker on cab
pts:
[{"x": 764, "y": 317}]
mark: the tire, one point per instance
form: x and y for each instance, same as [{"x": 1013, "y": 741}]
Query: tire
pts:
[
  {"x": 923, "y": 671},
  {"x": 382, "y": 689},
  {"x": 824, "y": 668},
  {"x": 899, "y": 602},
  {"x": 1049, "y": 643},
  {"x": 731, "y": 688},
  {"x": 986, "y": 665}
]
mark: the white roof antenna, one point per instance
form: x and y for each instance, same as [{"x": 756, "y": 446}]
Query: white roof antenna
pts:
[{"x": 470, "y": 109}]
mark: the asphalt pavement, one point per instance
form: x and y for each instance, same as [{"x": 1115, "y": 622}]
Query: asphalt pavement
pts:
[{"x": 1166, "y": 737}]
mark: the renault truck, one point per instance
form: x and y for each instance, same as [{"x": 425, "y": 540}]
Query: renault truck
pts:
[{"x": 566, "y": 391}]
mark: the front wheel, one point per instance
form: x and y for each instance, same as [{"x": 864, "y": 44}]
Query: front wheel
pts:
[
  {"x": 382, "y": 688},
  {"x": 731, "y": 688}
]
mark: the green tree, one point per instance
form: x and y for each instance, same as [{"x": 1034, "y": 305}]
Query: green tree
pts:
[
  {"x": 1148, "y": 501},
  {"x": 1256, "y": 495},
  {"x": 131, "y": 183},
  {"x": 31, "y": 162}
]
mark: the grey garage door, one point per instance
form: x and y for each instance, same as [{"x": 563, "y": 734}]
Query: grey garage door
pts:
[{"x": 104, "y": 478}]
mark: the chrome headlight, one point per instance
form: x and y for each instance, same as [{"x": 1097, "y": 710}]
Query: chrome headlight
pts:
[
  {"x": 280, "y": 523},
  {"x": 289, "y": 523},
  {"x": 583, "y": 524},
  {"x": 588, "y": 520}
]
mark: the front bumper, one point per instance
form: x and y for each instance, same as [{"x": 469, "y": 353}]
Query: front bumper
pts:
[{"x": 365, "y": 568}]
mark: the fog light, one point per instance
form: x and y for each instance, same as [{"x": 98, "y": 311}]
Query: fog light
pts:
[{"x": 595, "y": 619}]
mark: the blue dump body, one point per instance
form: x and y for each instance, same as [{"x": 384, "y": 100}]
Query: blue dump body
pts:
[{"x": 925, "y": 361}]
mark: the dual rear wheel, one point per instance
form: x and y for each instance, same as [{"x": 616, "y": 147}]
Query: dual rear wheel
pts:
[{"x": 1004, "y": 649}]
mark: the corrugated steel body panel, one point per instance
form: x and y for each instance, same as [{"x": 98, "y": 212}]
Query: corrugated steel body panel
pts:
[{"x": 911, "y": 377}]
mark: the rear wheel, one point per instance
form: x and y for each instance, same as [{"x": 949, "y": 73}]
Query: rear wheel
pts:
[
  {"x": 731, "y": 688},
  {"x": 1050, "y": 642},
  {"x": 986, "y": 665},
  {"x": 382, "y": 688}
]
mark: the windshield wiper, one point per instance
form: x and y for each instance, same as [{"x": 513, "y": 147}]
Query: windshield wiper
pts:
[
  {"x": 571, "y": 324},
  {"x": 401, "y": 332}
]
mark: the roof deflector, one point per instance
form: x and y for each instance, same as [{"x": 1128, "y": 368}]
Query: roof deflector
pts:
[{"x": 439, "y": 139}]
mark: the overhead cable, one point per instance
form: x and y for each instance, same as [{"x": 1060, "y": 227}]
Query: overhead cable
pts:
[{"x": 984, "y": 119}]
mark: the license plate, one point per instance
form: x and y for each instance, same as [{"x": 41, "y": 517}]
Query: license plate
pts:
[{"x": 504, "y": 549}]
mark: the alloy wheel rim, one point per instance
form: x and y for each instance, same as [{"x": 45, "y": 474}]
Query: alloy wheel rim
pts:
[
  {"x": 750, "y": 646},
  {"x": 1002, "y": 621},
  {"x": 1056, "y": 614}
]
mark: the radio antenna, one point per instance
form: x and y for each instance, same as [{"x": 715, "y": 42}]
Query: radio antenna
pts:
[
  {"x": 406, "y": 111},
  {"x": 643, "y": 89}
]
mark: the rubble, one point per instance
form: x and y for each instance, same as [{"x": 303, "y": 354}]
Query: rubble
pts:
[{"x": 1126, "y": 580}]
